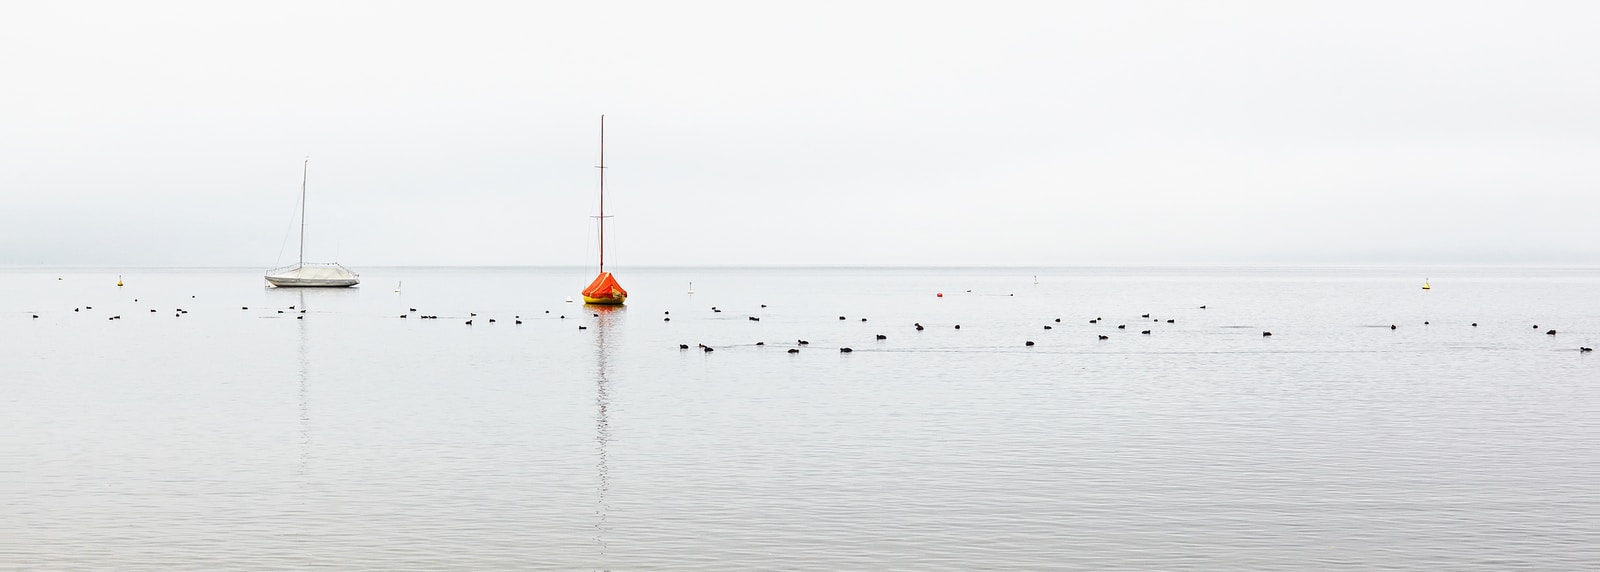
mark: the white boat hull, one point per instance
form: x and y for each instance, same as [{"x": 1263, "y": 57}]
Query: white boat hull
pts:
[{"x": 312, "y": 276}]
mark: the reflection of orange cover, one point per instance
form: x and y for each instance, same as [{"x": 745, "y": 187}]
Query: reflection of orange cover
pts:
[{"x": 605, "y": 286}]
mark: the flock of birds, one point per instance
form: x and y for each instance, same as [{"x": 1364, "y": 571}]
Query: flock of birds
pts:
[{"x": 300, "y": 315}]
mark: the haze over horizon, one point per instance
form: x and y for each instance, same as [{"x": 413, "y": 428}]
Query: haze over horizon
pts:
[{"x": 1010, "y": 134}]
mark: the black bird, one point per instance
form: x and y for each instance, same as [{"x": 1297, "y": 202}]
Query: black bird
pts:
[
  {"x": 1536, "y": 326},
  {"x": 754, "y": 319},
  {"x": 583, "y": 327},
  {"x": 1029, "y": 344},
  {"x": 802, "y": 342},
  {"x": 793, "y": 351},
  {"x": 958, "y": 326},
  {"x": 152, "y": 310},
  {"x": 402, "y": 315},
  {"x": 1551, "y": 333},
  {"x": 1265, "y": 334},
  {"x": 845, "y": 350},
  {"x": 92, "y": 307},
  {"x": 1094, "y": 321},
  {"x": 597, "y": 315},
  {"x": 563, "y": 316},
  {"x": 35, "y": 316},
  {"x": 863, "y": 319},
  {"x": 1172, "y": 321},
  {"x": 75, "y": 309},
  {"x": 763, "y": 305},
  {"x": 707, "y": 349},
  {"x": 1105, "y": 337},
  {"x": 491, "y": 320},
  {"x": 519, "y": 322},
  {"x": 280, "y": 311},
  {"x": 716, "y": 310},
  {"x": 1474, "y": 324},
  {"x": 841, "y": 317},
  {"x": 547, "y": 311},
  {"x": 1582, "y": 349},
  {"x": 1202, "y": 307},
  {"x": 882, "y": 337},
  {"x": 413, "y": 309},
  {"x": 1058, "y": 320},
  {"x": 241, "y": 308},
  {"x": 667, "y": 313},
  {"x": 761, "y": 343},
  {"x": 1425, "y": 322},
  {"x": 1122, "y": 326},
  {"x": 683, "y": 346},
  {"x": 1393, "y": 327},
  {"x": 1146, "y": 332},
  {"x": 919, "y": 327},
  {"x": 469, "y": 322},
  {"x": 291, "y": 307},
  {"x": 299, "y": 317},
  {"x": 1144, "y": 315},
  {"x": 666, "y": 319}
]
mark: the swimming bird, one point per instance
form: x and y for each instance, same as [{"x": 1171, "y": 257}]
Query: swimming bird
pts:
[
  {"x": 1029, "y": 343},
  {"x": 716, "y": 310},
  {"x": 1425, "y": 322},
  {"x": 468, "y": 313},
  {"x": 666, "y": 319},
  {"x": 491, "y": 320},
  {"x": 841, "y": 317},
  {"x": 299, "y": 317},
  {"x": 958, "y": 326},
  {"x": 152, "y": 310},
  {"x": 519, "y": 322},
  {"x": 1094, "y": 321},
  {"x": 583, "y": 327},
  {"x": 754, "y": 319},
  {"x": 469, "y": 322},
  {"x": 1058, "y": 320},
  {"x": 1122, "y": 326},
  {"x": 666, "y": 313},
  {"x": 761, "y": 343},
  {"x": 707, "y": 349},
  {"x": 793, "y": 351},
  {"x": 1583, "y": 349},
  {"x": 280, "y": 311},
  {"x": 413, "y": 309},
  {"x": 402, "y": 315},
  {"x": 683, "y": 346},
  {"x": 1047, "y": 327},
  {"x": 1146, "y": 332},
  {"x": 1202, "y": 307},
  {"x": 75, "y": 309},
  {"x": 802, "y": 342},
  {"x": 1265, "y": 334},
  {"x": 882, "y": 337},
  {"x": 597, "y": 315},
  {"x": 1474, "y": 324},
  {"x": 1393, "y": 327},
  {"x": 1550, "y": 333},
  {"x": 1536, "y": 326},
  {"x": 763, "y": 305},
  {"x": 1172, "y": 321},
  {"x": 863, "y": 319},
  {"x": 1144, "y": 315},
  {"x": 1105, "y": 337},
  {"x": 35, "y": 316},
  {"x": 291, "y": 307},
  {"x": 845, "y": 350}
]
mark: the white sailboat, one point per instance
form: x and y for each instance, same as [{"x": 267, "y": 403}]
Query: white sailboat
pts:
[{"x": 314, "y": 274}]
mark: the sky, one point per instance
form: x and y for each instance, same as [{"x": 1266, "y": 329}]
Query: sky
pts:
[{"x": 800, "y": 133}]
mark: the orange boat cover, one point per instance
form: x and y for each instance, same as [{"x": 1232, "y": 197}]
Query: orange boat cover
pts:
[{"x": 605, "y": 286}]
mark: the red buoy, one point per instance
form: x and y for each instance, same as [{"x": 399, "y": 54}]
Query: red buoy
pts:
[{"x": 940, "y": 295}]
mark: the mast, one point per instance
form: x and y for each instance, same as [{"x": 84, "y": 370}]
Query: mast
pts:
[
  {"x": 304, "y": 168},
  {"x": 602, "y": 216}
]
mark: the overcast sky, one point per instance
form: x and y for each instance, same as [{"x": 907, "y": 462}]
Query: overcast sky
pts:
[{"x": 740, "y": 133}]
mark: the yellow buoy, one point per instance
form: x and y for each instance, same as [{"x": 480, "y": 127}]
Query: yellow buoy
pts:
[
  {"x": 119, "y": 280},
  {"x": 1425, "y": 285}
]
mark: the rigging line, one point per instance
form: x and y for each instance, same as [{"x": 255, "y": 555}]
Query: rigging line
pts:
[{"x": 286, "y": 233}]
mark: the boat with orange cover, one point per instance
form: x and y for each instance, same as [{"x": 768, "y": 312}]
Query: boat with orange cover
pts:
[{"x": 605, "y": 290}]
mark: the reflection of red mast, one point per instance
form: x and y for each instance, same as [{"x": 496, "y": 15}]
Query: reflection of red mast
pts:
[{"x": 604, "y": 290}]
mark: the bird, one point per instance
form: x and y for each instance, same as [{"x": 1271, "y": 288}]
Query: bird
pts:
[
  {"x": 1122, "y": 326},
  {"x": 754, "y": 319},
  {"x": 707, "y": 349},
  {"x": 1425, "y": 322},
  {"x": 583, "y": 327},
  {"x": 291, "y": 307},
  {"x": 1202, "y": 307},
  {"x": 1172, "y": 321},
  {"x": 683, "y": 346},
  {"x": 75, "y": 309},
  {"x": 793, "y": 351},
  {"x": 666, "y": 313},
  {"x": 491, "y": 320},
  {"x": 716, "y": 310},
  {"x": 1536, "y": 326},
  {"x": 919, "y": 327},
  {"x": 958, "y": 326},
  {"x": 1144, "y": 315},
  {"x": 1265, "y": 334},
  {"x": 402, "y": 315},
  {"x": 35, "y": 316},
  {"x": 519, "y": 322},
  {"x": 468, "y": 313},
  {"x": 280, "y": 311},
  {"x": 863, "y": 319},
  {"x": 413, "y": 309},
  {"x": 597, "y": 315},
  {"x": 761, "y": 343},
  {"x": 845, "y": 350},
  {"x": 1058, "y": 320},
  {"x": 1393, "y": 327},
  {"x": 469, "y": 322},
  {"x": 1047, "y": 327},
  {"x": 1584, "y": 349},
  {"x": 882, "y": 337},
  {"x": 299, "y": 317},
  {"x": 1550, "y": 333},
  {"x": 1029, "y": 343},
  {"x": 152, "y": 310},
  {"x": 1105, "y": 337},
  {"x": 763, "y": 305},
  {"x": 802, "y": 342},
  {"x": 1094, "y": 321},
  {"x": 1146, "y": 332},
  {"x": 1474, "y": 324},
  {"x": 841, "y": 317},
  {"x": 666, "y": 319}
]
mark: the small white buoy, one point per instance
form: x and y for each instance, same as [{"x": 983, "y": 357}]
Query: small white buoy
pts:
[
  {"x": 569, "y": 299},
  {"x": 691, "y": 288},
  {"x": 1036, "y": 279}
]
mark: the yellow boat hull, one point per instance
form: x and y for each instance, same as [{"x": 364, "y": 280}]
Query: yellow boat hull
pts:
[{"x": 605, "y": 301}]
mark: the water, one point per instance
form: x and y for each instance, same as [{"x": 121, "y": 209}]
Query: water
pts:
[{"x": 247, "y": 439}]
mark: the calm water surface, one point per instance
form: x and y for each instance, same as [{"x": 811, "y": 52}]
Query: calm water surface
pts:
[{"x": 228, "y": 438}]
